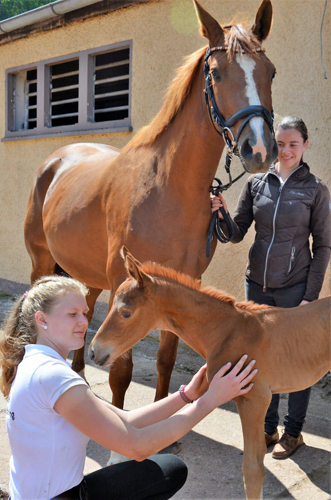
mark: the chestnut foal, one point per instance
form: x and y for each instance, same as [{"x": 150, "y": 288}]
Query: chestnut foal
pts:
[{"x": 291, "y": 346}]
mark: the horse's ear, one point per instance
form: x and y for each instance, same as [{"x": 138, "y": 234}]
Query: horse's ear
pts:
[
  {"x": 133, "y": 268},
  {"x": 209, "y": 27},
  {"x": 125, "y": 252},
  {"x": 263, "y": 21}
]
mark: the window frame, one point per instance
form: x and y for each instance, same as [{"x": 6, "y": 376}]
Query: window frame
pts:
[{"x": 85, "y": 125}]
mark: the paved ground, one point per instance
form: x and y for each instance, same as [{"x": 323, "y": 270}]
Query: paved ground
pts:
[{"x": 213, "y": 450}]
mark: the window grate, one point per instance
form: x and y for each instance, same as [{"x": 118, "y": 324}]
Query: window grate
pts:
[
  {"x": 111, "y": 85},
  {"x": 31, "y": 99},
  {"x": 82, "y": 92},
  {"x": 64, "y": 90}
]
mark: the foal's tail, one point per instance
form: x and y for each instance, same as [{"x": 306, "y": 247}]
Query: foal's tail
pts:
[{"x": 43, "y": 263}]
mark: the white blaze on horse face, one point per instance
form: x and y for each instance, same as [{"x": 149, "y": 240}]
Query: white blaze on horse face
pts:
[{"x": 247, "y": 64}]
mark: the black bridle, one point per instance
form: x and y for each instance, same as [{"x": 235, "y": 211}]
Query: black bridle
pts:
[{"x": 223, "y": 128}]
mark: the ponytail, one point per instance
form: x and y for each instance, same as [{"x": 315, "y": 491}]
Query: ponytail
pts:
[{"x": 12, "y": 346}]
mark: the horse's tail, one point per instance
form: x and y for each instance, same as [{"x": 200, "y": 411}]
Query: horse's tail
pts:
[{"x": 35, "y": 240}]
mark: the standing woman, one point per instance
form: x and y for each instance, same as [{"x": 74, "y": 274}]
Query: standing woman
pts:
[
  {"x": 288, "y": 205},
  {"x": 52, "y": 413}
]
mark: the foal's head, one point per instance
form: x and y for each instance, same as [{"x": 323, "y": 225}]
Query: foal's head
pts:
[{"x": 131, "y": 317}]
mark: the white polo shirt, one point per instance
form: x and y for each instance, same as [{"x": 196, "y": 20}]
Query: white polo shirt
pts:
[{"x": 48, "y": 453}]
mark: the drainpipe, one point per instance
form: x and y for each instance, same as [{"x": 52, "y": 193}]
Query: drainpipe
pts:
[{"x": 49, "y": 11}]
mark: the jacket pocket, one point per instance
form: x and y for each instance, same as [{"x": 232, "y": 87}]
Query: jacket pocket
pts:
[{"x": 291, "y": 260}]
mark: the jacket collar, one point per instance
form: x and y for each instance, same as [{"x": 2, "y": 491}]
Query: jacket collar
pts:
[{"x": 300, "y": 173}]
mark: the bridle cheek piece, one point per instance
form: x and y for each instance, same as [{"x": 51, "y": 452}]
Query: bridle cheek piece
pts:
[{"x": 231, "y": 142}]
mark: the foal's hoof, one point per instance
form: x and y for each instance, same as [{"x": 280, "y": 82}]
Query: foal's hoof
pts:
[
  {"x": 173, "y": 448},
  {"x": 117, "y": 458}
]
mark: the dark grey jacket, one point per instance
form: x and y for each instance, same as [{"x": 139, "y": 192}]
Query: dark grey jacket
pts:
[{"x": 285, "y": 216}]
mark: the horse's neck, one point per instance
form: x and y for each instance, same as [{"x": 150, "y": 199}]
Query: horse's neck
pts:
[
  {"x": 190, "y": 149},
  {"x": 197, "y": 318}
]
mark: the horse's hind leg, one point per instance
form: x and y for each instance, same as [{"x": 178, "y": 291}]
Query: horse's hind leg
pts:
[
  {"x": 166, "y": 358},
  {"x": 252, "y": 413},
  {"x": 78, "y": 363}
]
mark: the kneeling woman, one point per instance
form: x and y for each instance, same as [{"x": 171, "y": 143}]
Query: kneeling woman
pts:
[{"x": 52, "y": 413}]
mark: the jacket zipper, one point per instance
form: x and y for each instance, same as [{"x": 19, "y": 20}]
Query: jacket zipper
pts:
[
  {"x": 272, "y": 240},
  {"x": 274, "y": 228},
  {"x": 291, "y": 260}
]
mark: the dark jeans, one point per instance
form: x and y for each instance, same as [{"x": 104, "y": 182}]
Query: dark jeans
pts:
[
  {"x": 297, "y": 401},
  {"x": 157, "y": 478}
]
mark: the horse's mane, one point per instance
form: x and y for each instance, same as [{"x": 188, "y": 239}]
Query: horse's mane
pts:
[
  {"x": 158, "y": 271},
  {"x": 237, "y": 38}
]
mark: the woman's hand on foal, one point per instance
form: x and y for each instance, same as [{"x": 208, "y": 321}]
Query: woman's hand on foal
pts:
[
  {"x": 216, "y": 203},
  {"x": 227, "y": 385},
  {"x": 198, "y": 385}
]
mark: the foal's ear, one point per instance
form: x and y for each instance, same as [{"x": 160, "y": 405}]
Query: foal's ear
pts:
[
  {"x": 125, "y": 253},
  {"x": 133, "y": 268},
  {"x": 209, "y": 27},
  {"x": 263, "y": 21}
]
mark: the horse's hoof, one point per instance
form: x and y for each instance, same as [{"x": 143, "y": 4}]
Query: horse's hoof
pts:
[
  {"x": 173, "y": 448},
  {"x": 117, "y": 458}
]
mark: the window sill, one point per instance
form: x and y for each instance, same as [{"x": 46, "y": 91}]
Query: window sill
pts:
[{"x": 26, "y": 136}]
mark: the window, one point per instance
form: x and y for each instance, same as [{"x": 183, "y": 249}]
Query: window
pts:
[{"x": 73, "y": 95}]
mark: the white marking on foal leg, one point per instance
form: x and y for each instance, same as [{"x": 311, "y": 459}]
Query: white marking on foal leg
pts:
[{"x": 247, "y": 64}]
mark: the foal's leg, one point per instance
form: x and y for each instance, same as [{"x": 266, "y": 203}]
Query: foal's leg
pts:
[
  {"x": 252, "y": 413},
  {"x": 166, "y": 357},
  {"x": 78, "y": 363}
]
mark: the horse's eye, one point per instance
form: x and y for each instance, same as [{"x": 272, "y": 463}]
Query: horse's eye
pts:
[
  {"x": 216, "y": 76},
  {"x": 125, "y": 315}
]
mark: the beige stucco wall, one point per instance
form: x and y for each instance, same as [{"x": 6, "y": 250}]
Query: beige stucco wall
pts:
[{"x": 163, "y": 31}]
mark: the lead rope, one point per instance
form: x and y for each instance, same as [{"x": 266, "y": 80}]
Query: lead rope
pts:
[{"x": 215, "y": 224}]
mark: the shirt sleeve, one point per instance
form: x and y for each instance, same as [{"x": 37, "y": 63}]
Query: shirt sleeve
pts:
[
  {"x": 51, "y": 380},
  {"x": 321, "y": 232},
  {"x": 243, "y": 214}
]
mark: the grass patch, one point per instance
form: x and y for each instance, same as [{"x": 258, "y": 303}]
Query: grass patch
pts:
[{"x": 5, "y": 295}]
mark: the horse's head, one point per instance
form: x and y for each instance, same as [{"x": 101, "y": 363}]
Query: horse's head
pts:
[
  {"x": 238, "y": 86},
  {"x": 131, "y": 317}
]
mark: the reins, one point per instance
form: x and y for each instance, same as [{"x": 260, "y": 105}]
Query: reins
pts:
[{"x": 223, "y": 128}]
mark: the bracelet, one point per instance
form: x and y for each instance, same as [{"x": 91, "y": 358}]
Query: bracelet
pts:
[{"x": 181, "y": 391}]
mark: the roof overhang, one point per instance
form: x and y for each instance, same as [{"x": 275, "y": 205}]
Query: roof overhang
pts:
[{"x": 58, "y": 14}]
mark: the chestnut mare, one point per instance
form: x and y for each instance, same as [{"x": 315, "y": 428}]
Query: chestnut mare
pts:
[
  {"x": 291, "y": 346},
  {"x": 90, "y": 199}
]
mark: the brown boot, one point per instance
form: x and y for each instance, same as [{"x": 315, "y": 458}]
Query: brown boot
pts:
[
  {"x": 287, "y": 446},
  {"x": 271, "y": 439}
]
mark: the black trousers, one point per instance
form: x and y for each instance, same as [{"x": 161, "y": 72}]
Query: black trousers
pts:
[
  {"x": 157, "y": 478},
  {"x": 297, "y": 401}
]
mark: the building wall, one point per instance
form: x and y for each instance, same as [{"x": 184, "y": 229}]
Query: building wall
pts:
[{"x": 163, "y": 32}]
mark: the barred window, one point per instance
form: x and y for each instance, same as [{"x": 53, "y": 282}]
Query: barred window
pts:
[{"x": 77, "y": 94}]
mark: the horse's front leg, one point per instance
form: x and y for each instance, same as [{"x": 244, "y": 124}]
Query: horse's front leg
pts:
[
  {"x": 78, "y": 363},
  {"x": 120, "y": 375},
  {"x": 252, "y": 413},
  {"x": 166, "y": 357}
]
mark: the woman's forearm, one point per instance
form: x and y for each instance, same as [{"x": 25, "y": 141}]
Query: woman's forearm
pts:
[
  {"x": 152, "y": 413},
  {"x": 155, "y": 437}
]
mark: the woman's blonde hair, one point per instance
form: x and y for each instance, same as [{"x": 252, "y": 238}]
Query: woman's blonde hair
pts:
[{"x": 20, "y": 327}]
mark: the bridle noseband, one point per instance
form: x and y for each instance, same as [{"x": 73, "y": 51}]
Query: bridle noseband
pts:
[{"x": 231, "y": 142}]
